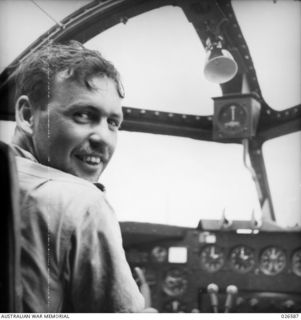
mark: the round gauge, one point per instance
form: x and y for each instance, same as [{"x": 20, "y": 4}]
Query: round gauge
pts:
[
  {"x": 212, "y": 258},
  {"x": 232, "y": 118},
  {"x": 159, "y": 254},
  {"x": 242, "y": 259},
  {"x": 175, "y": 283},
  {"x": 272, "y": 261},
  {"x": 296, "y": 262}
]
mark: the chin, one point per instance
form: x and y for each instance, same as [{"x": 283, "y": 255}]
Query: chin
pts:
[{"x": 90, "y": 178}]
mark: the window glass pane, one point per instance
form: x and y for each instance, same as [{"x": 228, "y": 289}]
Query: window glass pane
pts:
[
  {"x": 161, "y": 61},
  {"x": 283, "y": 164},
  {"x": 22, "y": 22},
  {"x": 272, "y": 30},
  {"x": 178, "y": 181}
]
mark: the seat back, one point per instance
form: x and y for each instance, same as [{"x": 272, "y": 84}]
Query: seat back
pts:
[{"x": 10, "y": 270}]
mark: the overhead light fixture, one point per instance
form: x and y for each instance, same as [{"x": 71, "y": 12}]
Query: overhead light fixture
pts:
[{"x": 220, "y": 66}]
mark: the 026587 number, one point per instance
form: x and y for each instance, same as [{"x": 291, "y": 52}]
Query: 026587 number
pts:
[{"x": 289, "y": 315}]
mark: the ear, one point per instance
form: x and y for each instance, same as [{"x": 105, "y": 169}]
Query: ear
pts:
[{"x": 24, "y": 114}]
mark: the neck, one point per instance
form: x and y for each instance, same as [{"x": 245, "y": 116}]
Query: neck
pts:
[{"x": 23, "y": 141}]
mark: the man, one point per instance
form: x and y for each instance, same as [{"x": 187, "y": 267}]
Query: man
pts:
[{"x": 68, "y": 111}]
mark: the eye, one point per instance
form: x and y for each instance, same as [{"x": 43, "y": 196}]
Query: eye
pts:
[
  {"x": 115, "y": 123},
  {"x": 82, "y": 116}
]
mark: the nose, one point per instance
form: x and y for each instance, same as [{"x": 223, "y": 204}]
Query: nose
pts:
[{"x": 102, "y": 136}]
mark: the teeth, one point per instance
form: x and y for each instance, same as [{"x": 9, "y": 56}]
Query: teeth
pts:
[{"x": 94, "y": 160}]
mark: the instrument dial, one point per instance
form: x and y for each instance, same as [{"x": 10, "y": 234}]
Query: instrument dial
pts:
[
  {"x": 212, "y": 258},
  {"x": 242, "y": 259},
  {"x": 232, "y": 118},
  {"x": 175, "y": 283},
  {"x": 272, "y": 261},
  {"x": 159, "y": 254},
  {"x": 296, "y": 262}
]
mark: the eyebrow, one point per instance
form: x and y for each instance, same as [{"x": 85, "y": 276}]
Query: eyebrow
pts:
[{"x": 79, "y": 105}]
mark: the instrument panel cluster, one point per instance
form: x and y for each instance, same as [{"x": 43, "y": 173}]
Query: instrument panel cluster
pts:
[
  {"x": 180, "y": 266},
  {"x": 271, "y": 260}
]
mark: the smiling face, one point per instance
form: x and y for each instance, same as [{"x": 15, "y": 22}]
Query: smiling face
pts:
[{"x": 77, "y": 132}]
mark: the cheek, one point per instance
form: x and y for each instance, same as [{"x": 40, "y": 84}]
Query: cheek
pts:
[
  {"x": 63, "y": 135},
  {"x": 64, "y": 138},
  {"x": 113, "y": 145}
]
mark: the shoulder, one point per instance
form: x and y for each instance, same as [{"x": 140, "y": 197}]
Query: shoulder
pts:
[
  {"x": 70, "y": 196},
  {"x": 51, "y": 189}
]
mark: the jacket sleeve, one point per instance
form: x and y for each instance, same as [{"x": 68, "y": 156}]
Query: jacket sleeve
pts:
[{"x": 100, "y": 279}]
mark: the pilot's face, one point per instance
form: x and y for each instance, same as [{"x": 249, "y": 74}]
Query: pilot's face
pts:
[{"x": 77, "y": 132}]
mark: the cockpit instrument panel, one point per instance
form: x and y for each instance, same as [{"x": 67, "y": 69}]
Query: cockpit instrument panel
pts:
[{"x": 180, "y": 263}]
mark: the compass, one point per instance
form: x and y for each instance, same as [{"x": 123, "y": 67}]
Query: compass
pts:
[
  {"x": 235, "y": 116},
  {"x": 232, "y": 118}
]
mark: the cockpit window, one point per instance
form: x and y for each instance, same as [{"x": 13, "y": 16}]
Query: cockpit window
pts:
[
  {"x": 283, "y": 164},
  {"x": 17, "y": 22},
  {"x": 274, "y": 41},
  {"x": 178, "y": 181},
  {"x": 161, "y": 60}
]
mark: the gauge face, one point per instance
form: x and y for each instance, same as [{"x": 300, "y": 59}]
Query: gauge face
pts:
[
  {"x": 232, "y": 118},
  {"x": 212, "y": 258},
  {"x": 296, "y": 262},
  {"x": 175, "y": 283},
  {"x": 159, "y": 254},
  {"x": 242, "y": 259},
  {"x": 272, "y": 261}
]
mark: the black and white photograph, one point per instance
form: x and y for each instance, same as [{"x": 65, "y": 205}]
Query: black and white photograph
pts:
[{"x": 150, "y": 157}]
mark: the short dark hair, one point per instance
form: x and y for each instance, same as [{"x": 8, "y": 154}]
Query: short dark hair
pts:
[{"x": 36, "y": 73}]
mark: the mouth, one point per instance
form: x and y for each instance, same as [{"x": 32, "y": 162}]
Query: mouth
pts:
[{"x": 91, "y": 160}]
